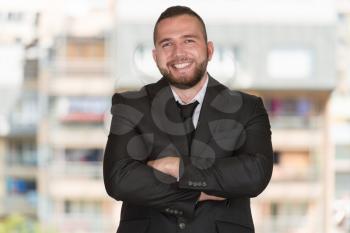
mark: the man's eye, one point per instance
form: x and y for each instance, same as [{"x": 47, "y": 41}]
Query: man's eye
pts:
[
  {"x": 189, "y": 41},
  {"x": 164, "y": 45}
]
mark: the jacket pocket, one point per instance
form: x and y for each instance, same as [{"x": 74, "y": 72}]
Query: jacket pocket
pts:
[
  {"x": 230, "y": 227},
  {"x": 133, "y": 226}
]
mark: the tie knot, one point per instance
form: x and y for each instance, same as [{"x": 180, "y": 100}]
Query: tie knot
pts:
[{"x": 187, "y": 109}]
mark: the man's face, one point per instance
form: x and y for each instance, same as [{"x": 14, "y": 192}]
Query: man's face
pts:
[{"x": 181, "y": 52}]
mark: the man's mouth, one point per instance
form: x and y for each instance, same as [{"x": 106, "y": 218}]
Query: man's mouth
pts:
[{"x": 181, "y": 65}]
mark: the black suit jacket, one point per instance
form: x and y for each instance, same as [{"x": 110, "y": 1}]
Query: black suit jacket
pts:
[{"x": 231, "y": 156}]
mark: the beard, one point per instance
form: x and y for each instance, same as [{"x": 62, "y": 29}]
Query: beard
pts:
[{"x": 183, "y": 81}]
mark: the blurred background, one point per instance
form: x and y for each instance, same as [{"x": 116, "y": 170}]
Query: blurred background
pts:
[{"x": 61, "y": 61}]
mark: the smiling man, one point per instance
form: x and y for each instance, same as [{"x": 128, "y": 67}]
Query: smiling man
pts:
[{"x": 186, "y": 154}]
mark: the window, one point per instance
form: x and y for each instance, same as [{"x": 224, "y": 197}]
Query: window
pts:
[
  {"x": 342, "y": 152},
  {"x": 82, "y": 207},
  {"x": 82, "y": 109},
  {"x": 22, "y": 153},
  {"x": 84, "y": 155},
  {"x": 20, "y": 185},
  {"x": 342, "y": 181},
  {"x": 289, "y": 64}
]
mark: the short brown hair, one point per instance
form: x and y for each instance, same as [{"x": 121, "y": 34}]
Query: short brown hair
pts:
[{"x": 177, "y": 11}]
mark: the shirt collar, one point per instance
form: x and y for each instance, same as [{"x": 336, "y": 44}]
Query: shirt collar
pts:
[{"x": 199, "y": 96}]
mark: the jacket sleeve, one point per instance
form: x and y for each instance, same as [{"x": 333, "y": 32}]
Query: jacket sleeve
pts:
[
  {"x": 247, "y": 172},
  {"x": 130, "y": 179}
]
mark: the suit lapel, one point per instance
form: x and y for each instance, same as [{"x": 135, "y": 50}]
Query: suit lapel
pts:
[
  {"x": 208, "y": 117},
  {"x": 166, "y": 115}
]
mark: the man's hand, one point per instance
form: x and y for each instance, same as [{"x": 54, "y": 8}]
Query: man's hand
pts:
[
  {"x": 205, "y": 197},
  {"x": 169, "y": 165}
]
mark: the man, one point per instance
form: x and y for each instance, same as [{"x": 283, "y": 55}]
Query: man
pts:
[{"x": 186, "y": 154}]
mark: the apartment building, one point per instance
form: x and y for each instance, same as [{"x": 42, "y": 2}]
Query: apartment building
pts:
[
  {"x": 75, "y": 86},
  {"x": 19, "y": 108},
  {"x": 287, "y": 59},
  {"x": 341, "y": 121},
  {"x": 52, "y": 145}
]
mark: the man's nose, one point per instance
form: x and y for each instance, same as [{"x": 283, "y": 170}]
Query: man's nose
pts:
[{"x": 178, "y": 50}]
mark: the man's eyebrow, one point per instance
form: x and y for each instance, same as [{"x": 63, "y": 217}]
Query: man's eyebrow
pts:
[
  {"x": 190, "y": 36},
  {"x": 163, "y": 40}
]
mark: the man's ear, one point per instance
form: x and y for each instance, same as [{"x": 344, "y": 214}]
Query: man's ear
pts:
[
  {"x": 154, "y": 55},
  {"x": 210, "y": 49}
]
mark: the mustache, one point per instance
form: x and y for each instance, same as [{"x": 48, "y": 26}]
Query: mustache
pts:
[{"x": 179, "y": 60}]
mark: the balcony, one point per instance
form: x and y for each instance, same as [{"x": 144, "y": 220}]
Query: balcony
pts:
[
  {"x": 78, "y": 86},
  {"x": 83, "y": 137},
  {"x": 80, "y": 76},
  {"x": 301, "y": 190},
  {"x": 294, "y": 173},
  {"x": 293, "y": 223},
  {"x": 21, "y": 162},
  {"x": 78, "y": 67},
  {"x": 295, "y": 122},
  {"x": 76, "y": 170},
  {"x": 296, "y": 139},
  {"x": 21, "y": 170},
  {"x": 76, "y": 179},
  {"x": 23, "y": 124},
  {"x": 21, "y": 203},
  {"x": 77, "y": 223},
  {"x": 83, "y": 118},
  {"x": 342, "y": 165}
]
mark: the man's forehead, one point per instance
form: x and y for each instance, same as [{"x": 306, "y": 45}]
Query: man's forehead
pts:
[{"x": 184, "y": 25}]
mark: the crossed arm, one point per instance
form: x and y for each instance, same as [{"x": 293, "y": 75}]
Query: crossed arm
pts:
[
  {"x": 134, "y": 181},
  {"x": 170, "y": 165}
]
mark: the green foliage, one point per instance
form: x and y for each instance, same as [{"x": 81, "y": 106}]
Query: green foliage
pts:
[{"x": 17, "y": 223}]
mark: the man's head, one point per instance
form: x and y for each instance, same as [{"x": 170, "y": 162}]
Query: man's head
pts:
[
  {"x": 177, "y": 11},
  {"x": 181, "y": 48}
]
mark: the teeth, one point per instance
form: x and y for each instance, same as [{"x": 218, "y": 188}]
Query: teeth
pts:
[{"x": 181, "y": 65}]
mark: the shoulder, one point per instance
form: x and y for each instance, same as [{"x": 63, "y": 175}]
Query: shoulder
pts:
[
  {"x": 146, "y": 93},
  {"x": 128, "y": 97},
  {"x": 235, "y": 96},
  {"x": 249, "y": 99}
]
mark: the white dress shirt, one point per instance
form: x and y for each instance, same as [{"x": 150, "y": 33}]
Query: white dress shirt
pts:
[{"x": 199, "y": 97}]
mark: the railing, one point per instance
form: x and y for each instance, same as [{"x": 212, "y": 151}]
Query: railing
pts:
[
  {"x": 294, "y": 173},
  {"x": 23, "y": 123},
  {"x": 68, "y": 169},
  {"x": 28, "y": 160},
  {"x": 87, "y": 223},
  {"x": 86, "y": 67},
  {"x": 21, "y": 203},
  {"x": 295, "y": 122},
  {"x": 287, "y": 224}
]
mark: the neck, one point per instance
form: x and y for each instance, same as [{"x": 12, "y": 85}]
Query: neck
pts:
[{"x": 186, "y": 95}]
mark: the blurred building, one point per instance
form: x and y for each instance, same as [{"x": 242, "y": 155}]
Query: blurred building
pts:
[
  {"x": 19, "y": 108},
  {"x": 340, "y": 109},
  {"x": 71, "y": 55},
  {"x": 282, "y": 51},
  {"x": 75, "y": 87}
]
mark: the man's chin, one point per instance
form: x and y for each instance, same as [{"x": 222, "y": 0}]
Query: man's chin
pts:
[{"x": 184, "y": 85}]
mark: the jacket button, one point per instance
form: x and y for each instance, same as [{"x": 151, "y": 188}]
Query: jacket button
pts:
[
  {"x": 204, "y": 183},
  {"x": 182, "y": 225}
]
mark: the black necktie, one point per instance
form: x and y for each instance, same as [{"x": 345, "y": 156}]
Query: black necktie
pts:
[{"x": 187, "y": 113}]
